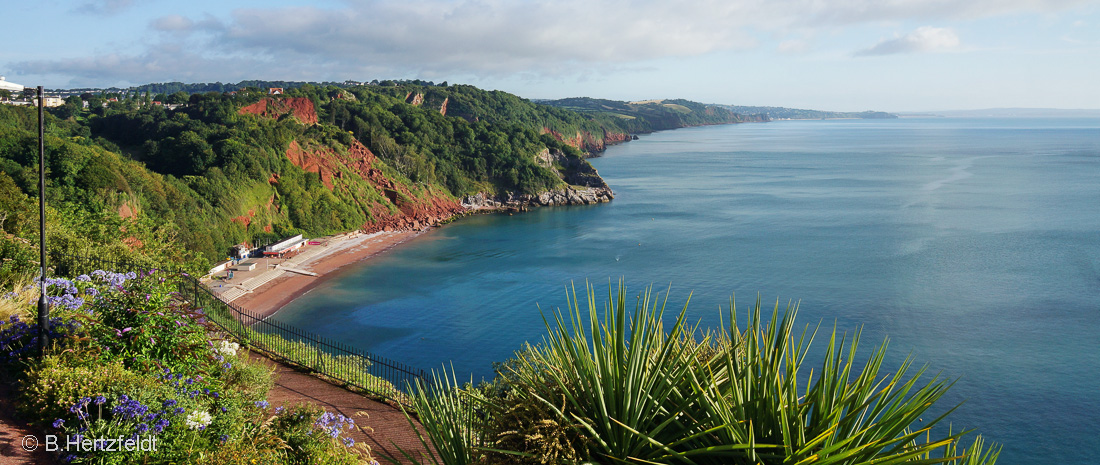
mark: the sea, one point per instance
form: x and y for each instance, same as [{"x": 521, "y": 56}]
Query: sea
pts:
[{"x": 971, "y": 245}]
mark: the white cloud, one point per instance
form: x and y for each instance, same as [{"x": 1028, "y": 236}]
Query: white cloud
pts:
[
  {"x": 494, "y": 38},
  {"x": 923, "y": 39}
]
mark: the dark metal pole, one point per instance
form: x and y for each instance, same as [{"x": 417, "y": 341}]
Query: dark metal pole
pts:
[{"x": 43, "y": 305}]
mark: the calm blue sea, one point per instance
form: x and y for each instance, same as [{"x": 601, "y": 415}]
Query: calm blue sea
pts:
[{"x": 972, "y": 244}]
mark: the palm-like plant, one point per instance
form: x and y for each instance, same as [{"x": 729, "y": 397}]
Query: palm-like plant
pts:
[{"x": 628, "y": 389}]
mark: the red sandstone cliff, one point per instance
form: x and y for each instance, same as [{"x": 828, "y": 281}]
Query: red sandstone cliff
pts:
[
  {"x": 588, "y": 142},
  {"x": 401, "y": 209},
  {"x": 298, "y": 107}
]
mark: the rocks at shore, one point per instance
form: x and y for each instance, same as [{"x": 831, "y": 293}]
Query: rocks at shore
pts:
[{"x": 584, "y": 186}]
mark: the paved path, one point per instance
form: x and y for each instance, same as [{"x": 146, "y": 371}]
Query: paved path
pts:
[
  {"x": 387, "y": 424},
  {"x": 13, "y": 431}
]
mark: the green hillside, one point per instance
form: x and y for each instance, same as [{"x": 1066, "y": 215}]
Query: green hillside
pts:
[
  {"x": 655, "y": 115},
  {"x": 795, "y": 113},
  {"x": 130, "y": 177},
  {"x": 145, "y": 182}
]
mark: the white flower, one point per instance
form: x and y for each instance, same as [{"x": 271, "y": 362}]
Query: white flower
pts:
[
  {"x": 198, "y": 419},
  {"x": 227, "y": 348}
]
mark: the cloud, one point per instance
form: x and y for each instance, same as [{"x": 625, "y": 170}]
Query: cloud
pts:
[
  {"x": 861, "y": 11},
  {"x": 923, "y": 39},
  {"x": 495, "y": 38},
  {"x": 104, "y": 7},
  {"x": 793, "y": 47},
  {"x": 173, "y": 23}
]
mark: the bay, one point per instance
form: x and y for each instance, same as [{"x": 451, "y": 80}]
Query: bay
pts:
[{"x": 972, "y": 244}]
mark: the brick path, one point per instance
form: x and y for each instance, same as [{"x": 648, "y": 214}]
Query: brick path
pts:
[{"x": 387, "y": 424}]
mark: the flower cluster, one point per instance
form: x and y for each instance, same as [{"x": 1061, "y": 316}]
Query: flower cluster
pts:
[
  {"x": 333, "y": 424},
  {"x": 18, "y": 338},
  {"x": 126, "y": 410},
  {"x": 186, "y": 386},
  {"x": 198, "y": 420},
  {"x": 227, "y": 348},
  {"x": 115, "y": 279},
  {"x": 73, "y": 294},
  {"x": 128, "y": 417}
]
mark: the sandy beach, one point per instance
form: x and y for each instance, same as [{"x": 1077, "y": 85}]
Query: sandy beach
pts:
[{"x": 334, "y": 254}]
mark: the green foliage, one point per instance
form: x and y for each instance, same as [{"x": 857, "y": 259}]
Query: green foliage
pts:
[
  {"x": 625, "y": 386},
  {"x": 353, "y": 370},
  {"x": 653, "y": 115},
  {"x": 135, "y": 364},
  {"x": 142, "y": 182},
  {"x": 53, "y": 385}
]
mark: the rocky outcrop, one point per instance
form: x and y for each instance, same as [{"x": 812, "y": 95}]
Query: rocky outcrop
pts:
[
  {"x": 443, "y": 107},
  {"x": 414, "y": 213},
  {"x": 312, "y": 161},
  {"x": 414, "y": 99},
  {"x": 299, "y": 107},
  {"x": 584, "y": 186},
  {"x": 587, "y": 142},
  {"x": 571, "y": 195}
]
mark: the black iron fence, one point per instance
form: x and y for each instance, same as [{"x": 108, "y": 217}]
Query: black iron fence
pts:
[{"x": 335, "y": 360}]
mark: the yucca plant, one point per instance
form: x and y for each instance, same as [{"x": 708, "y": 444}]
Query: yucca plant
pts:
[
  {"x": 450, "y": 418},
  {"x": 625, "y": 387}
]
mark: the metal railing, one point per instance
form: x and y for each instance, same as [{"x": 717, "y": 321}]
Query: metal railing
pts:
[{"x": 333, "y": 359}]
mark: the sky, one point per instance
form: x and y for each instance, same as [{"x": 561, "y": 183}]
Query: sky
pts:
[{"x": 843, "y": 55}]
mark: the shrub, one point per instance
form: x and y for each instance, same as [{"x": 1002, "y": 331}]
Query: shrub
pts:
[
  {"x": 52, "y": 386},
  {"x": 624, "y": 386}
]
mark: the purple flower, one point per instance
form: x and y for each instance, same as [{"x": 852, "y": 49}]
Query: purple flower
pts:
[
  {"x": 99, "y": 400},
  {"x": 58, "y": 423},
  {"x": 261, "y": 404}
]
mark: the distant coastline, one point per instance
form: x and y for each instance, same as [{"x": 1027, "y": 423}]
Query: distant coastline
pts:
[{"x": 1006, "y": 113}]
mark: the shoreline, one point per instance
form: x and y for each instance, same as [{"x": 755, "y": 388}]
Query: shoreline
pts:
[
  {"x": 265, "y": 300},
  {"x": 270, "y": 297}
]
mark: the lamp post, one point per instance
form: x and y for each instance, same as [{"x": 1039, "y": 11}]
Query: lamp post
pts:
[{"x": 43, "y": 305}]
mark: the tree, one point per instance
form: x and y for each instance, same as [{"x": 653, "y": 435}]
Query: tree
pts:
[
  {"x": 5, "y": 94},
  {"x": 177, "y": 98}
]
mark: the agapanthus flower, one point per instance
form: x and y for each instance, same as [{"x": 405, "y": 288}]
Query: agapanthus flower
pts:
[{"x": 198, "y": 420}]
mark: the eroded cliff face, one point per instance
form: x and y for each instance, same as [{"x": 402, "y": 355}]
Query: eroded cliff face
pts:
[
  {"x": 584, "y": 187},
  {"x": 401, "y": 209},
  {"x": 588, "y": 142},
  {"x": 298, "y": 107}
]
